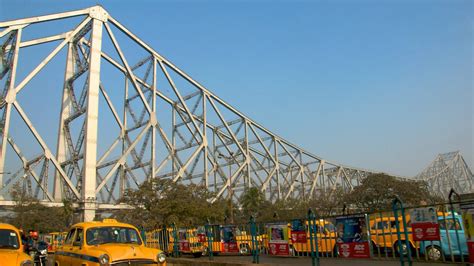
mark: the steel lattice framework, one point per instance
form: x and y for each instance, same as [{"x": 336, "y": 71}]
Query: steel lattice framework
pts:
[
  {"x": 162, "y": 124},
  {"x": 448, "y": 170}
]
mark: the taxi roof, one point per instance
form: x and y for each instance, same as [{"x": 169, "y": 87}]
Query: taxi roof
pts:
[
  {"x": 8, "y": 226},
  {"x": 105, "y": 222}
]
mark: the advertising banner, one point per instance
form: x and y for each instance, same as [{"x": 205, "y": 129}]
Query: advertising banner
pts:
[
  {"x": 424, "y": 224},
  {"x": 182, "y": 241},
  {"x": 468, "y": 222},
  {"x": 298, "y": 231},
  {"x": 184, "y": 245},
  {"x": 201, "y": 234},
  {"x": 278, "y": 239},
  {"x": 201, "y": 237},
  {"x": 352, "y": 238},
  {"x": 229, "y": 244},
  {"x": 230, "y": 247}
]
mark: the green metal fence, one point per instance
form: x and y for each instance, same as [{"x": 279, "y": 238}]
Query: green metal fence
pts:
[{"x": 389, "y": 236}]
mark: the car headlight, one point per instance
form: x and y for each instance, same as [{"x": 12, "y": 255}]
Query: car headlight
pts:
[
  {"x": 26, "y": 263},
  {"x": 104, "y": 260},
  {"x": 161, "y": 257}
]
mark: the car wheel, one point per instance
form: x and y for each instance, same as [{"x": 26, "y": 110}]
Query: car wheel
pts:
[
  {"x": 434, "y": 253},
  {"x": 198, "y": 254},
  {"x": 404, "y": 248},
  {"x": 205, "y": 252},
  {"x": 244, "y": 250}
]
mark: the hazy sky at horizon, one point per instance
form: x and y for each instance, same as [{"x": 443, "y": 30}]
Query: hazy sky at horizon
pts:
[{"x": 382, "y": 85}]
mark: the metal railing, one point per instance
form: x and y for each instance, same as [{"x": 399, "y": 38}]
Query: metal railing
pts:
[{"x": 389, "y": 236}]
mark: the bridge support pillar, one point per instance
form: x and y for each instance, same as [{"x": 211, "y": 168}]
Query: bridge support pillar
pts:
[
  {"x": 65, "y": 112},
  {"x": 89, "y": 180}
]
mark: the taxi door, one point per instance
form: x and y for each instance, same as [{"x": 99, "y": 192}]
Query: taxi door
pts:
[
  {"x": 63, "y": 253},
  {"x": 326, "y": 239},
  {"x": 76, "y": 248},
  {"x": 380, "y": 233}
]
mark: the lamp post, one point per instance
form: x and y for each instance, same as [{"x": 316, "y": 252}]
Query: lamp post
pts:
[{"x": 231, "y": 194}]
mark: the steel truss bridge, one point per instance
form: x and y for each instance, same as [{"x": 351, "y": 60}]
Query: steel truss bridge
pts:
[
  {"x": 446, "y": 171},
  {"x": 89, "y": 110}
]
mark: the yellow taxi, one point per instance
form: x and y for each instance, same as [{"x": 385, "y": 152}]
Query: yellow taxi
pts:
[
  {"x": 326, "y": 238},
  {"x": 383, "y": 233},
  {"x": 11, "y": 248},
  {"x": 106, "y": 243}
]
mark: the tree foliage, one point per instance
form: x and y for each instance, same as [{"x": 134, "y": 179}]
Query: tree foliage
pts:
[
  {"x": 253, "y": 203},
  {"x": 377, "y": 191},
  {"x": 156, "y": 203},
  {"x": 159, "y": 202},
  {"x": 29, "y": 213}
]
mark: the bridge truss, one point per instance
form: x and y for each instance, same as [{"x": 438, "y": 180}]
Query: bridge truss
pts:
[
  {"x": 127, "y": 114},
  {"x": 448, "y": 170}
]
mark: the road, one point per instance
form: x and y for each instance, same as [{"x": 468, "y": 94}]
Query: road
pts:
[
  {"x": 283, "y": 261},
  {"x": 287, "y": 261}
]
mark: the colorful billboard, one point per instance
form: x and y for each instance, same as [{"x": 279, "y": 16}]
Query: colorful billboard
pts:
[
  {"x": 424, "y": 224},
  {"x": 298, "y": 231},
  {"x": 352, "y": 238},
  {"x": 278, "y": 239}
]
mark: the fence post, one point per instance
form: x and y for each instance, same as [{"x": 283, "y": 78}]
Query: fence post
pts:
[
  {"x": 175, "y": 241},
  {"x": 210, "y": 239},
  {"x": 455, "y": 221},
  {"x": 395, "y": 209},
  {"x": 143, "y": 235},
  {"x": 255, "y": 247},
  {"x": 313, "y": 237}
]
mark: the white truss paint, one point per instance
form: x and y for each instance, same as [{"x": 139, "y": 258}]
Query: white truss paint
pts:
[
  {"x": 169, "y": 125},
  {"x": 448, "y": 170}
]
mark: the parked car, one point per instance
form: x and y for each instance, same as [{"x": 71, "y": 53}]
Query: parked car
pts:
[
  {"x": 11, "y": 247},
  {"x": 106, "y": 243},
  {"x": 448, "y": 228}
]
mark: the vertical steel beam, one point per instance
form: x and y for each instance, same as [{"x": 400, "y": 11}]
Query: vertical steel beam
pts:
[
  {"x": 10, "y": 99},
  {"x": 214, "y": 154},
  {"x": 173, "y": 140},
  {"x": 277, "y": 167},
  {"x": 66, "y": 107},
  {"x": 154, "y": 123},
  {"x": 92, "y": 113},
  {"x": 247, "y": 149},
  {"x": 123, "y": 174},
  {"x": 204, "y": 139}
]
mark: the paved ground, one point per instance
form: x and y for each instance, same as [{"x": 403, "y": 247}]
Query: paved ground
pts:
[{"x": 278, "y": 261}]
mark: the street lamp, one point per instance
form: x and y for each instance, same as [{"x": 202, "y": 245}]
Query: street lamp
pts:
[{"x": 231, "y": 194}]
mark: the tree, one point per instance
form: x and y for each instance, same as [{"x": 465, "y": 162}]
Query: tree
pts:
[
  {"x": 377, "y": 191},
  {"x": 159, "y": 202},
  {"x": 328, "y": 202},
  {"x": 29, "y": 213},
  {"x": 253, "y": 203}
]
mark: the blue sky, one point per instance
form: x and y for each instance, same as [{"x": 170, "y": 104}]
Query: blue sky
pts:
[{"x": 383, "y": 85}]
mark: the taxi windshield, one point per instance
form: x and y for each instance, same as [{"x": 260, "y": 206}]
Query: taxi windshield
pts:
[
  {"x": 8, "y": 239},
  {"x": 112, "y": 234}
]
